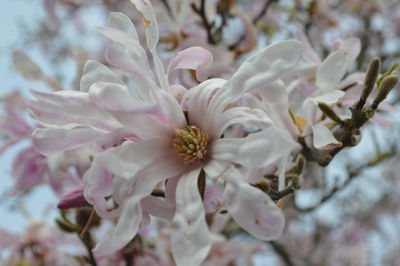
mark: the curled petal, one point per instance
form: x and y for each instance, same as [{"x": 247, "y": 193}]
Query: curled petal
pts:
[{"x": 195, "y": 58}]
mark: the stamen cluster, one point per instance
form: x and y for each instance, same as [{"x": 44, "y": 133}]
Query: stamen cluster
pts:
[{"x": 190, "y": 143}]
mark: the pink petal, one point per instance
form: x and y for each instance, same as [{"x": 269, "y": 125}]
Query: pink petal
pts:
[
  {"x": 190, "y": 238},
  {"x": 118, "y": 98},
  {"x": 129, "y": 158},
  {"x": 49, "y": 141},
  {"x": 112, "y": 139},
  {"x": 131, "y": 215},
  {"x": 96, "y": 72},
  {"x": 260, "y": 69},
  {"x": 252, "y": 209},
  {"x": 117, "y": 56},
  {"x": 73, "y": 199},
  {"x": 124, "y": 231},
  {"x": 145, "y": 8},
  {"x": 69, "y": 109},
  {"x": 197, "y": 101},
  {"x": 158, "y": 207},
  {"x": 195, "y": 58}
]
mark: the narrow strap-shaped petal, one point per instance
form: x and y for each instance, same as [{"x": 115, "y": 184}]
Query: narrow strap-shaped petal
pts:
[
  {"x": 131, "y": 215},
  {"x": 256, "y": 150},
  {"x": 69, "y": 109},
  {"x": 256, "y": 72},
  {"x": 252, "y": 209},
  {"x": 190, "y": 237},
  {"x": 124, "y": 231},
  {"x": 94, "y": 72},
  {"x": 47, "y": 140},
  {"x": 145, "y": 8}
]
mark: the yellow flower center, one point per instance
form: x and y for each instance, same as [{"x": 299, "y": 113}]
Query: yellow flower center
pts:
[{"x": 190, "y": 143}]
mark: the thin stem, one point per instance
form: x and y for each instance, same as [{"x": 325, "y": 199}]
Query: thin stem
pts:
[
  {"x": 89, "y": 222},
  {"x": 278, "y": 194}
]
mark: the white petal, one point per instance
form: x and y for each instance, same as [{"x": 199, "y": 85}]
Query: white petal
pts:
[
  {"x": 256, "y": 150},
  {"x": 131, "y": 216},
  {"x": 191, "y": 241},
  {"x": 351, "y": 46},
  {"x": 331, "y": 71},
  {"x": 149, "y": 20},
  {"x": 197, "y": 100},
  {"x": 176, "y": 117},
  {"x": 330, "y": 97},
  {"x": 214, "y": 168},
  {"x": 129, "y": 158},
  {"x": 241, "y": 115},
  {"x": 252, "y": 209},
  {"x": 94, "y": 72},
  {"x": 323, "y": 137},
  {"x": 123, "y": 23},
  {"x": 260, "y": 69},
  {"x": 145, "y": 8}
]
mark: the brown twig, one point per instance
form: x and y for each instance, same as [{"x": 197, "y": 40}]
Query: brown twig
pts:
[
  {"x": 263, "y": 10},
  {"x": 208, "y": 26}
]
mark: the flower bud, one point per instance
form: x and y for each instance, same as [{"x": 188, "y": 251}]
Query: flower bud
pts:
[
  {"x": 300, "y": 163},
  {"x": 370, "y": 79},
  {"x": 328, "y": 111},
  {"x": 387, "y": 85}
]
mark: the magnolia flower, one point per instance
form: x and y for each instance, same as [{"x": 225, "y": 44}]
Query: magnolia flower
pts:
[{"x": 161, "y": 141}]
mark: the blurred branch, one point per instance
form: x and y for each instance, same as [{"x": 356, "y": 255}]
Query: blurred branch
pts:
[
  {"x": 263, "y": 10},
  {"x": 352, "y": 175},
  {"x": 208, "y": 26},
  {"x": 282, "y": 252}
]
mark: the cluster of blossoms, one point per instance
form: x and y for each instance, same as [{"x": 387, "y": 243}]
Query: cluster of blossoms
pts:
[{"x": 154, "y": 158}]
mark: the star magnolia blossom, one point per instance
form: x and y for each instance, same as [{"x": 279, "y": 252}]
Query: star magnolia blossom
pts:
[{"x": 169, "y": 136}]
